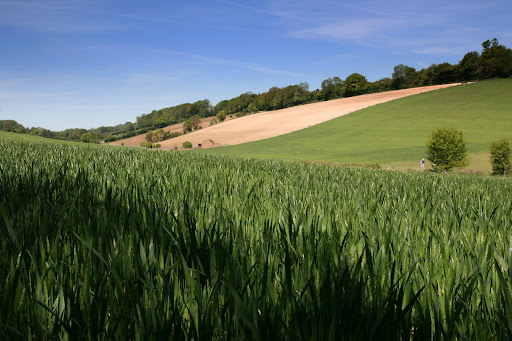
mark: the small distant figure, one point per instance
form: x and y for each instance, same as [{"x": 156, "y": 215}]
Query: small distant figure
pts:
[{"x": 422, "y": 163}]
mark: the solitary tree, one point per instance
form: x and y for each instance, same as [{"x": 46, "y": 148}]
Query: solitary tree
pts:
[
  {"x": 500, "y": 157},
  {"x": 446, "y": 148}
]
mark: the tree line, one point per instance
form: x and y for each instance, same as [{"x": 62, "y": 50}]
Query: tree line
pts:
[{"x": 495, "y": 61}]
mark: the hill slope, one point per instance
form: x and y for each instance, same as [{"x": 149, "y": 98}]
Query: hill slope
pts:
[
  {"x": 397, "y": 131},
  {"x": 175, "y": 128},
  {"x": 32, "y": 138},
  {"x": 273, "y": 123}
]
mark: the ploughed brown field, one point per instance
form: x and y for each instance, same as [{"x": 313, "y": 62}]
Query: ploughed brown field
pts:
[{"x": 273, "y": 123}]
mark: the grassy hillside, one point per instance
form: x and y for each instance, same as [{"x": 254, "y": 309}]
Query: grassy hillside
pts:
[
  {"x": 396, "y": 132},
  {"x": 30, "y": 138}
]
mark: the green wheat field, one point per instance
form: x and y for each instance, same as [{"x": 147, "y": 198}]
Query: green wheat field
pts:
[{"x": 129, "y": 244}]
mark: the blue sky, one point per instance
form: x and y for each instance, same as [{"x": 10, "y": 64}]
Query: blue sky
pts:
[{"x": 77, "y": 63}]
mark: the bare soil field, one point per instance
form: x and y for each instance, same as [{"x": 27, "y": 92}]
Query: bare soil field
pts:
[
  {"x": 268, "y": 124},
  {"x": 178, "y": 128}
]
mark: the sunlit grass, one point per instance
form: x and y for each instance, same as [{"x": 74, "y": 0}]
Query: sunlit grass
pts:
[
  {"x": 396, "y": 131},
  {"x": 118, "y": 243}
]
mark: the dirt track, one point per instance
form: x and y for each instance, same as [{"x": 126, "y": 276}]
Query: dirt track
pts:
[{"x": 273, "y": 123}]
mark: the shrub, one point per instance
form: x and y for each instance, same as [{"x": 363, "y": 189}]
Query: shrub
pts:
[
  {"x": 146, "y": 144},
  {"x": 187, "y": 144},
  {"x": 221, "y": 115},
  {"x": 149, "y": 136},
  {"x": 192, "y": 123},
  {"x": 110, "y": 138},
  {"x": 446, "y": 148},
  {"x": 500, "y": 157},
  {"x": 160, "y": 135},
  {"x": 88, "y": 138}
]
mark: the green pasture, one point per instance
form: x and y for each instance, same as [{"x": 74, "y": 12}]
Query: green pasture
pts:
[
  {"x": 31, "y": 138},
  {"x": 395, "y": 133}
]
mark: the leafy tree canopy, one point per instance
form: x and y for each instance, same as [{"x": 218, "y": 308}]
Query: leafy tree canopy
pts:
[
  {"x": 355, "y": 84},
  {"x": 500, "y": 157},
  {"x": 447, "y": 148}
]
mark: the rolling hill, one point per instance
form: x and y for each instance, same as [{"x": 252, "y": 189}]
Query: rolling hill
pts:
[
  {"x": 395, "y": 133},
  {"x": 274, "y": 123},
  {"x": 392, "y": 134}
]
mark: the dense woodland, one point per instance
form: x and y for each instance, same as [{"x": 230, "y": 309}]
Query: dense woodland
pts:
[{"x": 495, "y": 61}]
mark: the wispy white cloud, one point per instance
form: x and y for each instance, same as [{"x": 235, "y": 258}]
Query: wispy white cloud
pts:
[
  {"x": 436, "y": 27},
  {"x": 274, "y": 71},
  {"x": 350, "y": 29},
  {"x": 281, "y": 13},
  {"x": 161, "y": 76},
  {"x": 50, "y": 16},
  {"x": 183, "y": 73},
  {"x": 39, "y": 5},
  {"x": 236, "y": 64},
  {"x": 439, "y": 50},
  {"x": 252, "y": 8},
  {"x": 142, "y": 78},
  {"x": 448, "y": 41},
  {"x": 74, "y": 16}
]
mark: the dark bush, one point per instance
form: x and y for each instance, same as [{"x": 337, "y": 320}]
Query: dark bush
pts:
[{"x": 500, "y": 157}]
